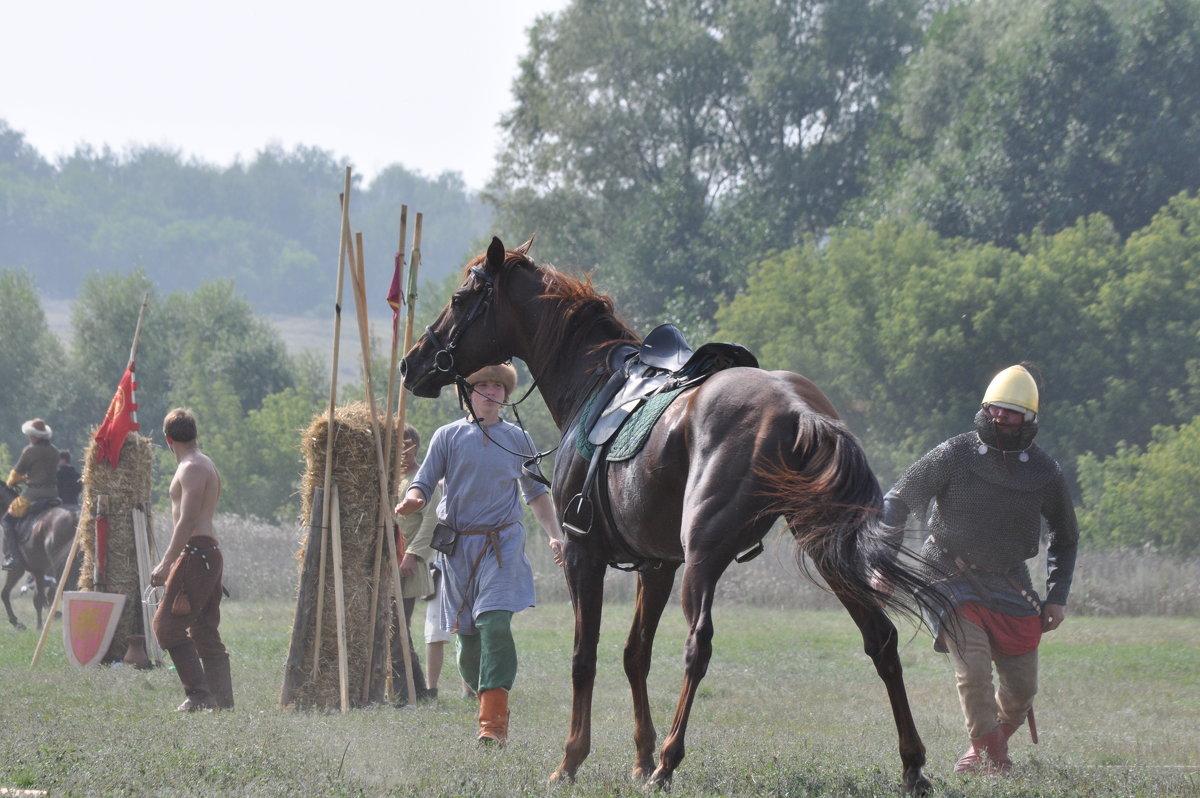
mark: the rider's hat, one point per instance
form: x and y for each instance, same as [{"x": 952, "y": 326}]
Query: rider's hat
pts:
[
  {"x": 36, "y": 428},
  {"x": 504, "y": 373},
  {"x": 1014, "y": 389}
]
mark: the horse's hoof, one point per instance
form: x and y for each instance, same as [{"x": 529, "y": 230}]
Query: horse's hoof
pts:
[
  {"x": 560, "y": 777},
  {"x": 20, "y": 627},
  {"x": 640, "y": 774},
  {"x": 917, "y": 783},
  {"x": 660, "y": 781}
]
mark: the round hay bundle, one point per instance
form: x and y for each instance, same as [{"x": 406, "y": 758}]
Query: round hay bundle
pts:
[
  {"x": 125, "y": 488},
  {"x": 356, "y": 475}
]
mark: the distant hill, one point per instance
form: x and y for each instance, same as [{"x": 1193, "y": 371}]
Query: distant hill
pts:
[{"x": 270, "y": 225}]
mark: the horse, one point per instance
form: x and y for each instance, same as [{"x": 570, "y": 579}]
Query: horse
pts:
[
  {"x": 44, "y": 552},
  {"x": 724, "y": 461}
]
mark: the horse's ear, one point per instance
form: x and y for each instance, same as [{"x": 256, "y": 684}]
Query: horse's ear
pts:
[
  {"x": 524, "y": 248},
  {"x": 495, "y": 255}
]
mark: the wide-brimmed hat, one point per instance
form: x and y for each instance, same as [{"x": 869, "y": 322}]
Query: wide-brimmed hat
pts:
[
  {"x": 36, "y": 428},
  {"x": 504, "y": 373}
]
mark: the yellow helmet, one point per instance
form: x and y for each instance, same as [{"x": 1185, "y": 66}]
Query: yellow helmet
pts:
[{"x": 1014, "y": 389}]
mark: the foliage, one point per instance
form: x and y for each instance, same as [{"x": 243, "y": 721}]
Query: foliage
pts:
[
  {"x": 32, "y": 360},
  {"x": 269, "y": 226},
  {"x": 904, "y": 328},
  {"x": 1016, "y": 116},
  {"x": 667, "y": 142},
  {"x": 1137, "y": 498}
]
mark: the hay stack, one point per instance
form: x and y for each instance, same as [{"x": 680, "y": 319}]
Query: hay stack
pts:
[
  {"x": 356, "y": 474},
  {"x": 127, "y": 487}
]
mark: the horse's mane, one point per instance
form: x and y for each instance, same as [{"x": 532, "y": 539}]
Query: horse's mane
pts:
[{"x": 582, "y": 310}]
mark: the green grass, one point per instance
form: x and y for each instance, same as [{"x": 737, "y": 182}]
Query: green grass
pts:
[{"x": 790, "y": 707}]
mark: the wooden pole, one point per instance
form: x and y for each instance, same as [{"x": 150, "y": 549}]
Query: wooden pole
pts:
[
  {"x": 411, "y": 302},
  {"x": 62, "y": 583},
  {"x": 385, "y": 521},
  {"x": 384, "y": 511},
  {"x": 339, "y": 601},
  {"x": 327, "y": 506},
  {"x": 358, "y": 277}
]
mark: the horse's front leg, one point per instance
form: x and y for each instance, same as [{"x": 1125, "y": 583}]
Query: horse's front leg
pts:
[
  {"x": 880, "y": 644},
  {"x": 653, "y": 592},
  {"x": 699, "y": 584},
  {"x": 13, "y": 578},
  {"x": 585, "y": 580}
]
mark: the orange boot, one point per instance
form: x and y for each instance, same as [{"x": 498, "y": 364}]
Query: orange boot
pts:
[
  {"x": 987, "y": 754},
  {"x": 493, "y": 716}
]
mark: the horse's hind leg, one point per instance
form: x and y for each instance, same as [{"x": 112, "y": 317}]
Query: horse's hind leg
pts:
[
  {"x": 699, "y": 585},
  {"x": 14, "y": 576},
  {"x": 653, "y": 592},
  {"x": 585, "y": 580},
  {"x": 880, "y": 643}
]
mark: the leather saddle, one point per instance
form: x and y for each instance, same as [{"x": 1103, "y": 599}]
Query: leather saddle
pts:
[{"x": 663, "y": 362}]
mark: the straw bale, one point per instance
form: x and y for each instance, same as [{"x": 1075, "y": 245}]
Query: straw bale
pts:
[
  {"x": 127, "y": 487},
  {"x": 356, "y": 475}
]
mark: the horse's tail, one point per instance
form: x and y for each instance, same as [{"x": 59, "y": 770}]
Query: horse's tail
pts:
[{"x": 832, "y": 503}]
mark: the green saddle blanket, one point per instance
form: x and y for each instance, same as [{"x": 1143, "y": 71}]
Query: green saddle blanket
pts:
[{"x": 632, "y": 435}]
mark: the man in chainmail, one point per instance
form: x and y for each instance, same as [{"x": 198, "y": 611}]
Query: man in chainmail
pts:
[{"x": 990, "y": 489}]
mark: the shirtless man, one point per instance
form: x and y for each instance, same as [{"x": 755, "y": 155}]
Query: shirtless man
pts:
[{"x": 187, "y": 618}]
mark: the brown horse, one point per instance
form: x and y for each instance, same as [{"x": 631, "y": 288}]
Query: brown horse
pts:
[
  {"x": 44, "y": 552},
  {"x": 726, "y": 459}
]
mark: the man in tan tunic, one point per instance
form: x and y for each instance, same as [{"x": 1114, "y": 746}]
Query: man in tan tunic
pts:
[{"x": 191, "y": 568}]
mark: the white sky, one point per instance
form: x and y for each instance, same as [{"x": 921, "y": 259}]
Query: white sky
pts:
[{"x": 375, "y": 82}]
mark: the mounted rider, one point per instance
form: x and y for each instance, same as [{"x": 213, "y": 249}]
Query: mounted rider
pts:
[{"x": 38, "y": 468}]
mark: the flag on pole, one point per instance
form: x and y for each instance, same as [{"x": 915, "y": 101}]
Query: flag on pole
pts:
[
  {"x": 120, "y": 419},
  {"x": 395, "y": 296}
]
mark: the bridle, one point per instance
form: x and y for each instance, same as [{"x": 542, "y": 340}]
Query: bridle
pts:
[{"x": 443, "y": 361}]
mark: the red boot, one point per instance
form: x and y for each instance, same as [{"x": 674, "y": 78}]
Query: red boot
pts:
[{"x": 987, "y": 754}]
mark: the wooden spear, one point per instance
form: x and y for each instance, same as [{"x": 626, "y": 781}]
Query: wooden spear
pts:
[
  {"x": 398, "y": 280},
  {"x": 327, "y": 505},
  {"x": 411, "y": 302},
  {"x": 360, "y": 296},
  {"x": 335, "y": 528}
]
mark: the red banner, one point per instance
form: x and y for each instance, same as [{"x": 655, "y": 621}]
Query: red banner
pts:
[
  {"x": 119, "y": 421},
  {"x": 395, "y": 296}
]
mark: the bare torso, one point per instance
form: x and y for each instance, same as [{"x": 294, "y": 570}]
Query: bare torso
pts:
[{"x": 195, "y": 489}]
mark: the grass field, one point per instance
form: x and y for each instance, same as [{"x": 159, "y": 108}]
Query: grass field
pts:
[{"x": 790, "y": 707}]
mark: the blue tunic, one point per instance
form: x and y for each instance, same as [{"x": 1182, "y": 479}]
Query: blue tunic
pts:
[{"x": 483, "y": 485}]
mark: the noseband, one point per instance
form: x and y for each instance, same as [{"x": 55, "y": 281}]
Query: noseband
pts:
[{"x": 443, "y": 358}]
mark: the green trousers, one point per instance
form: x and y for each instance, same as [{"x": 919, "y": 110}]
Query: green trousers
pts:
[{"x": 488, "y": 659}]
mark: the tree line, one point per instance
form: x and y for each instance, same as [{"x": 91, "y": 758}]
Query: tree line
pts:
[
  {"x": 269, "y": 226},
  {"x": 894, "y": 197}
]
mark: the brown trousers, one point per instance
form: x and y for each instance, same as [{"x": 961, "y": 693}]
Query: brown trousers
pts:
[
  {"x": 191, "y": 605},
  {"x": 984, "y": 706}
]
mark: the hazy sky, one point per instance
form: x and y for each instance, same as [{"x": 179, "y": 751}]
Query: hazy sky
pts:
[{"x": 375, "y": 82}]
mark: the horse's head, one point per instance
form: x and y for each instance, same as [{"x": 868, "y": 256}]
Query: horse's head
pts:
[{"x": 472, "y": 331}]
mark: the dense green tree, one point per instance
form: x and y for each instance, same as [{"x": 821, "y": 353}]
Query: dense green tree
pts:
[
  {"x": 666, "y": 143},
  {"x": 903, "y": 328},
  {"x": 1032, "y": 114},
  {"x": 32, "y": 362},
  {"x": 1136, "y": 498}
]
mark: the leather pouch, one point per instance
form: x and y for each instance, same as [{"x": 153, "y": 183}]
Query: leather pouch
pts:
[{"x": 445, "y": 539}]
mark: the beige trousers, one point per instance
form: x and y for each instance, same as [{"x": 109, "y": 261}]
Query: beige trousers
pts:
[{"x": 983, "y": 705}]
